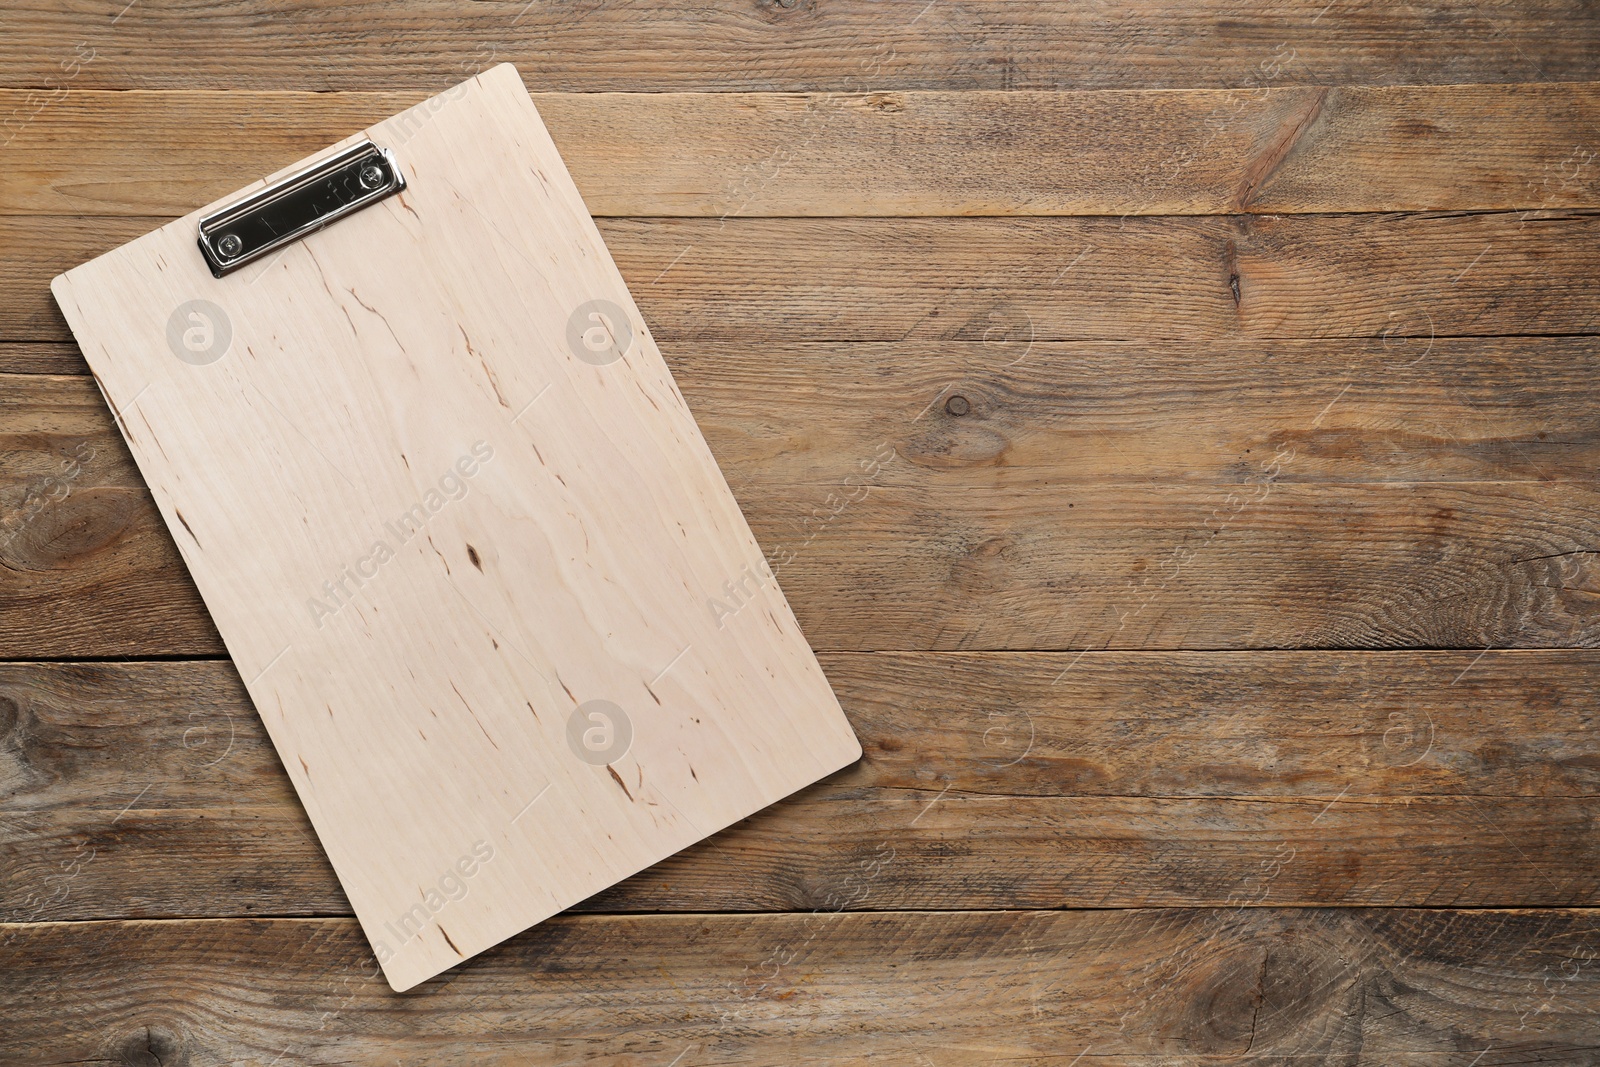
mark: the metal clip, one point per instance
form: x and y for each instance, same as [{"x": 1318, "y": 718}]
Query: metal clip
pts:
[{"x": 298, "y": 205}]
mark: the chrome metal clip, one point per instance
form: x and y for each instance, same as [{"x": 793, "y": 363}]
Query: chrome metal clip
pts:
[{"x": 298, "y": 205}]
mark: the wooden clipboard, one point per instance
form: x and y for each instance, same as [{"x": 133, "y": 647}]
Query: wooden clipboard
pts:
[{"x": 478, "y": 569}]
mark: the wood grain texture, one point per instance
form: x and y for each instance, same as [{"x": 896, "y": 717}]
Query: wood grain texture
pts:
[
  {"x": 1134, "y": 567},
  {"x": 1113, "y": 989},
  {"x": 1150, "y": 442},
  {"x": 1174, "y": 278},
  {"x": 1073, "y": 405},
  {"x": 1254, "y": 565},
  {"x": 1390, "y": 275},
  {"x": 71, "y": 493},
  {"x": 1008, "y": 413},
  {"x": 1303, "y": 149},
  {"x": 41, "y": 357},
  {"x": 989, "y": 781},
  {"x": 788, "y": 45}
]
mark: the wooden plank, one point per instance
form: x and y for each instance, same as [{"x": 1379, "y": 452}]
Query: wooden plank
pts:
[
  {"x": 41, "y": 357},
  {"x": 1179, "y": 278},
  {"x": 1301, "y": 149},
  {"x": 32, "y": 251},
  {"x": 1259, "y": 564},
  {"x": 990, "y": 851},
  {"x": 791, "y": 426},
  {"x": 124, "y": 595},
  {"x": 1064, "y": 279},
  {"x": 1144, "y": 567},
  {"x": 1112, "y": 989},
  {"x": 989, "y": 781},
  {"x": 98, "y": 545},
  {"x": 1010, "y": 414},
  {"x": 75, "y": 518},
  {"x": 847, "y": 44}
]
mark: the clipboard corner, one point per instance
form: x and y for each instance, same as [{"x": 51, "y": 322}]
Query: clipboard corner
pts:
[
  {"x": 502, "y": 71},
  {"x": 61, "y": 288}
]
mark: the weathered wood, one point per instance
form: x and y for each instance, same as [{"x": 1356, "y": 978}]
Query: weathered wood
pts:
[
  {"x": 1105, "y": 988},
  {"x": 41, "y": 357},
  {"x": 1181, "y": 278},
  {"x": 95, "y": 574},
  {"x": 983, "y": 851},
  {"x": 1271, "y": 566},
  {"x": 1302, "y": 149},
  {"x": 75, "y": 519},
  {"x": 1255, "y": 564},
  {"x": 783, "y": 44},
  {"x": 992, "y": 780},
  {"x": 1072, "y": 498},
  {"x": 102, "y": 546},
  {"x": 34, "y": 250},
  {"x": 1052, "y": 415},
  {"x": 1016, "y": 414}
]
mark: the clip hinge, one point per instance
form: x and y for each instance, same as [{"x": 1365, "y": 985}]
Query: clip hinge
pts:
[{"x": 298, "y": 205}]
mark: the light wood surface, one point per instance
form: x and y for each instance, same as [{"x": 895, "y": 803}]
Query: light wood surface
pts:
[
  {"x": 453, "y": 598},
  {"x": 858, "y": 222}
]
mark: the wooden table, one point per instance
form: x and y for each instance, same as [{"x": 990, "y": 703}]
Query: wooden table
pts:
[{"x": 1182, "y": 421}]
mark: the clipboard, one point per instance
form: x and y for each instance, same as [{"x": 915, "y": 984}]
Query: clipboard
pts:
[{"x": 482, "y": 578}]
